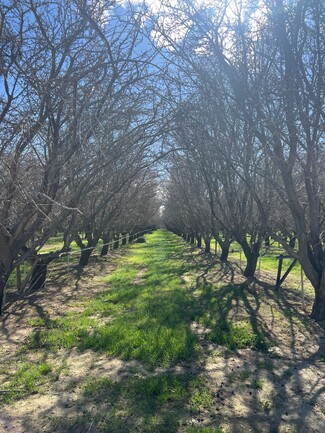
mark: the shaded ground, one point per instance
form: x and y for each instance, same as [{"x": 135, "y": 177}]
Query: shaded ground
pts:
[{"x": 161, "y": 339}]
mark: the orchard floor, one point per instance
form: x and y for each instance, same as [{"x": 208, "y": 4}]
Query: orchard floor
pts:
[{"x": 159, "y": 337}]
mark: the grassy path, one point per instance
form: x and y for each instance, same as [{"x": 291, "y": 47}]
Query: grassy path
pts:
[
  {"x": 147, "y": 304},
  {"x": 169, "y": 342}
]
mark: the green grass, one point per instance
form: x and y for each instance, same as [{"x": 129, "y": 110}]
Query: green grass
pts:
[
  {"x": 150, "y": 318},
  {"x": 150, "y": 321},
  {"x": 225, "y": 328},
  {"x": 28, "y": 379},
  {"x": 240, "y": 376},
  {"x": 145, "y": 313},
  {"x": 201, "y": 397}
]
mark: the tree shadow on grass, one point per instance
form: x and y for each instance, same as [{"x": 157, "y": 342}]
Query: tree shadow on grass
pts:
[
  {"x": 231, "y": 315},
  {"x": 129, "y": 403},
  {"x": 153, "y": 404},
  {"x": 235, "y": 316}
]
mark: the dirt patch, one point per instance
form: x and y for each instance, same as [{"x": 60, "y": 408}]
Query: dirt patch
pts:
[
  {"x": 256, "y": 392},
  {"x": 281, "y": 389},
  {"x": 139, "y": 278},
  {"x": 63, "y": 291},
  {"x": 37, "y": 413}
]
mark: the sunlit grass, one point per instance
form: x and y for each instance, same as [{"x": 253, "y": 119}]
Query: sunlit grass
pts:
[
  {"x": 150, "y": 320},
  {"x": 27, "y": 379},
  {"x": 150, "y": 317}
]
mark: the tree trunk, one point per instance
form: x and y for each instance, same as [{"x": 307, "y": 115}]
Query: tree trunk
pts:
[
  {"x": 5, "y": 271},
  {"x": 224, "y": 252},
  {"x": 318, "y": 310},
  {"x": 188, "y": 238},
  {"x": 131, "y": 237},
  {"x": 252, "y": 253},
  {"x": 39, "y": 275},
  {"x": 105, "y": 247},
  {"x": 225, "y": 246},
  {"x": 85, "y": 255},
  {"x": 251, "y": 264},
  {"x": 116, "y": 244},
  {"x": 3, "y": 282},
  {"x": 192, "y": 239},
  {"x": 199, "y": 241},
  {"x": 104, "y": 250},
  {"x": 207, "y": 242},
  {"x": 224, "y": 243},
  {"x": 124, "y": 239},
  {"x": 292, "y": 241}
]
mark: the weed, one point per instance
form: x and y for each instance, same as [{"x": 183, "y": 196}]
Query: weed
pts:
[
  {"x": 257, "y": 384},
  {"x": 149, "y": 322},
  {"x": 152, "y": 404},
  {"x": 232, "y": 333}
]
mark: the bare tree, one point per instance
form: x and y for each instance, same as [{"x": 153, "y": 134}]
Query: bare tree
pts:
[
  {"x": 271, "y": 62},
  {"x": 65, "y": 71}
]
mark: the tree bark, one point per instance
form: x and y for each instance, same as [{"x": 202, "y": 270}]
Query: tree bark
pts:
[
  {"x": 199, "y": 241},
  {"x": 318, "y": 310},
  {"x": 224, "y": 243},
  {"x": 104, "y": 250},
  {"x": 40, "y": 270},
  {"x": 39, "y": 275},
  {"x": 207, "y": 241},
  {"x": 251, "y": 264},
  {"x": 85, "y": 255},
  {"x": 3, "y": 282},
  {"x": 224, "y": 251},
  {"x": 105, "y": 247},
  {"x": 6, "y": 267},
  {"x": 116, "y": 244},
  {"x": 252, "y": 253}
]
